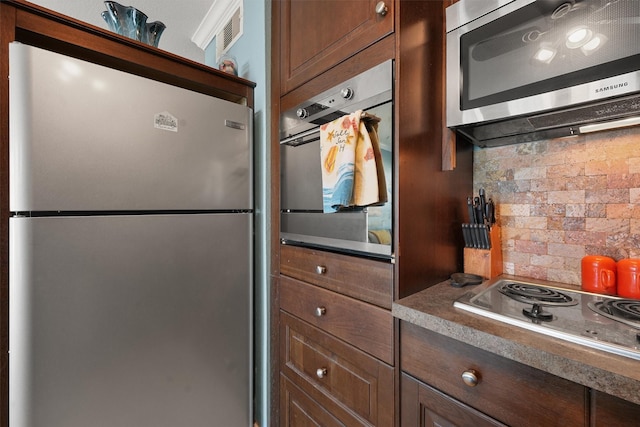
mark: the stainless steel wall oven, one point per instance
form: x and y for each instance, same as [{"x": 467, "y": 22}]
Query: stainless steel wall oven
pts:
[{"x": 366, "y": 230}]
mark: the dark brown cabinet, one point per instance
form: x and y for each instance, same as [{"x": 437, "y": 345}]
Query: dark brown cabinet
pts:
[
  {"x": 336, "y": 352},
  {"x": 425, "y": 406},
  {"x": 315, "y": 45},
  {"x": 360, "y": 278},
  {"x": 361, "y": 324},
  {"x": 318, "y": 34},
  {"x": 300, "y": 410},
  {"x": 607, "y": 410},
  {"x": 498, "y": 388}
]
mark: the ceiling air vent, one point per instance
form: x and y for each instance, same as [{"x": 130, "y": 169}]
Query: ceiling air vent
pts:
[{"x": 231, "y": 31}]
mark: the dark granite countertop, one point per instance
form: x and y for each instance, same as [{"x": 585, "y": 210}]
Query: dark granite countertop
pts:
[{"x": 433, "y": 309}]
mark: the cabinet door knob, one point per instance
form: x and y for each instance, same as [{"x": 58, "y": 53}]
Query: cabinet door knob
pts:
[
  {"x": 321, "y": 269},
  {"x": 470, "y": 377},
  {"x": 381, "y": 8},
  {"x": 321, "y": 311},
  {"x": 321, "y": 372}
]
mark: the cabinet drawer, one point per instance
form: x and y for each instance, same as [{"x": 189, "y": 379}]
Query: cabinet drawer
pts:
[
  {"x": 363, "y": 325},
  {"x": 508, "y": 391},
  {"x": 425, "y": 406},
  {"x": 332, "y": 371},
  {"x": 361, "y": 278},
  {"x": 298, "y": 409}
]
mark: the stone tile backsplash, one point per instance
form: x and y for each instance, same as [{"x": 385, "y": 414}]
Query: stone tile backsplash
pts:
[{"x": 562, "y": 199}]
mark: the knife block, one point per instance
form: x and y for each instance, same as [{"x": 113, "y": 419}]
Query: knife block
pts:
[{"x": 485, "y": 262}]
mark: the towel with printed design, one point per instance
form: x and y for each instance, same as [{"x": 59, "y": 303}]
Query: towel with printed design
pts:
[{"x": 351, "y": 163}]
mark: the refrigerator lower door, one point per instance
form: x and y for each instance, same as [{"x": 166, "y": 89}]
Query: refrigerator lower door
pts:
[{"x": 130, "y": 321}]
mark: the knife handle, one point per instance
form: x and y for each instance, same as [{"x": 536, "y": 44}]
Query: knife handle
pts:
[
  {"x": 479, "y": 214},
  {"x": 466, "y": 236},
  {"x": 471, "y": 211},
  {"x": 477, "y": 236},
  {"x": 491, "y": 212},
  {"x": 486, "y": 237},
  {"x": 476, "y": 206},
  {"x": 483, "y": 207}
]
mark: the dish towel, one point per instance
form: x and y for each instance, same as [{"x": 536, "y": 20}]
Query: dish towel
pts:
[
  {"x": 352, "y": 172},
  {"x": 370, "y": 187}
]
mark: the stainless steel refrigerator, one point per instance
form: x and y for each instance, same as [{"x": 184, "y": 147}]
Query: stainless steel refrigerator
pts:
[{"x": 130, "y": 288}]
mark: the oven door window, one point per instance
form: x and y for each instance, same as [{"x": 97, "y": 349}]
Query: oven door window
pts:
[
  {"x": 553, "y": 44},
  {"x": 364, "y": 230}
]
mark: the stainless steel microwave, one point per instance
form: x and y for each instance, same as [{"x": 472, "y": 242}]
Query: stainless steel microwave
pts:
[{"x": 525, "y": 70}]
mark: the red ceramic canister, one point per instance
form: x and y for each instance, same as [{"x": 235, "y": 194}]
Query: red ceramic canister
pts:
[
  {"x": 629, "y": 278},
  {"x": 599, "y": 274}
]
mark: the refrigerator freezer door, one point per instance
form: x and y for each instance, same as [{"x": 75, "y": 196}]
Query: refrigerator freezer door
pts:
[
  {"x": 130, "y": 321},
  {"x": 84, "y": 137}
]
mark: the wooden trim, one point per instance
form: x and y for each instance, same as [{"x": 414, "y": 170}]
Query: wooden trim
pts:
[
  {"x": 274, "y": 214},
  {"x": 430, "y": 201},
  {"x": 448, "y": 136},
  {"x": 43, "y": 28}
]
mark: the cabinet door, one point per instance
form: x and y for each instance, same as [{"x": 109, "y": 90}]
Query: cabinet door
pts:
[
  {"x": 297, "y": 409},
  {"x": 425, "y": 406},
  {"x": 318, "y": 34},
  {"x": 607, "y": 410},
  {"x": 508, "y": 391}
]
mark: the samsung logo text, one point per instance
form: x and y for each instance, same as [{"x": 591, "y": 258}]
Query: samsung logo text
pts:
[{"x": 612, "y": 87}]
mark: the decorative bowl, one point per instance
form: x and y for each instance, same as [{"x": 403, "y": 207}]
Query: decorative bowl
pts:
[{"x": 131, "y": 22}]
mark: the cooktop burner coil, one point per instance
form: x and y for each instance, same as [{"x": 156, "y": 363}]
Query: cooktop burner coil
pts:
[
  {"x": 626, "y": 311},
  {"x": 532, "y": 294},
  {"x": 627, "y": 308}
]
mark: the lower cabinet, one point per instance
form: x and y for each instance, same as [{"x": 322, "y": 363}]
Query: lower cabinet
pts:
[
  {"x": 350, "y": 386},
  {"x": 336, "y": 337},
  {"x": 298, "y": 409},
  {"x": 425, "y": 406},
  {"x": 608, "y": 411},
  {"x": 463, "y": 385},
  {"x": 445, "y": 382}
]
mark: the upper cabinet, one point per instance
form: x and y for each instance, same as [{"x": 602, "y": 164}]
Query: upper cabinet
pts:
[{"x": 317, "y": 34}]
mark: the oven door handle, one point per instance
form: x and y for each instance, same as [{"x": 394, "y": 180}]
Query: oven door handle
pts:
[
  {"x": 314, "y": 134},
  {"x": 302, "y": 138}
]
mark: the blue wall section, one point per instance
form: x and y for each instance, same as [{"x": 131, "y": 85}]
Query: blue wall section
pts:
[{"x": 252, "y": 52}]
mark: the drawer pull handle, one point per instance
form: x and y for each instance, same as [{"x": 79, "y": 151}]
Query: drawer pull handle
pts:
[
  {"x": 321, "y": 311},
  {"x": 321, "y": 372},
  {"x": 470, "y": 378},
  {"x": 381, "y": 8},
  {"x": 321, "y": 269}
]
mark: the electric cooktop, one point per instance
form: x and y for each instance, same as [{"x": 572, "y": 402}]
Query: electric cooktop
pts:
[{"x": 597, "y": 321}]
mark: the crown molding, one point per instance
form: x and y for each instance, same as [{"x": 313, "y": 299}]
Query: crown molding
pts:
[{"x": 214, "y": 21}]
